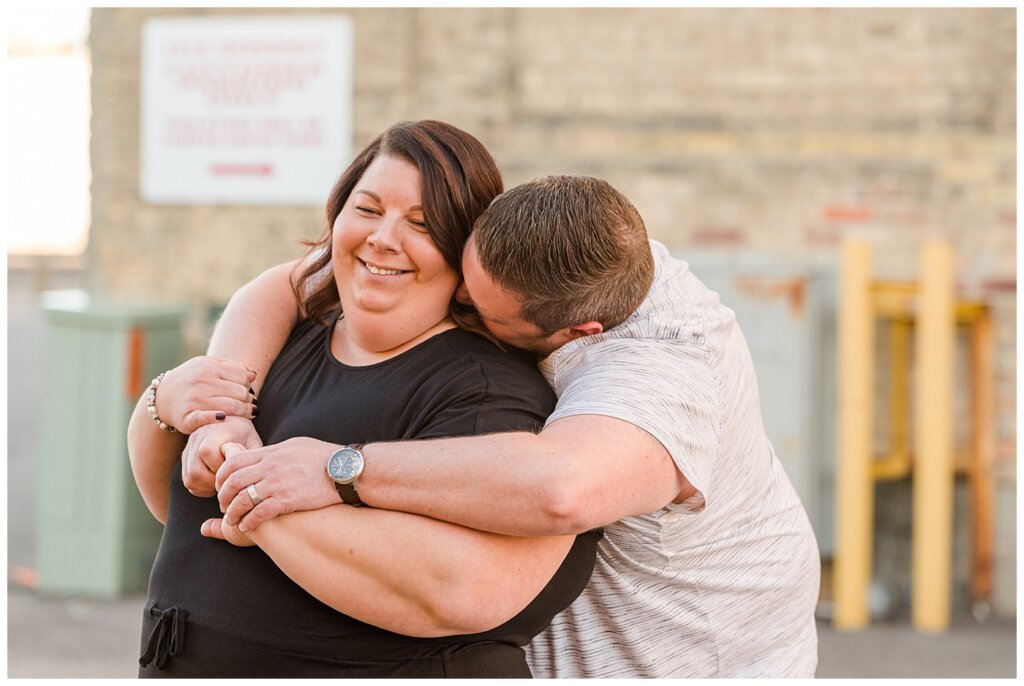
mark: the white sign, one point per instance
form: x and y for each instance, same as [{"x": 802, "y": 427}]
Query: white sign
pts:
[{"x": 245, "y": 110}]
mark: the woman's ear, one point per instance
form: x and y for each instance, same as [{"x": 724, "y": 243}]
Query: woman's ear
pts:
[{"x": 462, "y": 294}]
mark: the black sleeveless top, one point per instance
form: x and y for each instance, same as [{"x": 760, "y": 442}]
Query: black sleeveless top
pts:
[{"x": 218, "y": 610}]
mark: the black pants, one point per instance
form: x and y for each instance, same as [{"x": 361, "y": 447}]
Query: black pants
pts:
[{"x": 183, "y": 650}]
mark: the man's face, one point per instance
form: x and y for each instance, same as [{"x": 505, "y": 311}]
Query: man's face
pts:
[{"x": 500, "y": 309}]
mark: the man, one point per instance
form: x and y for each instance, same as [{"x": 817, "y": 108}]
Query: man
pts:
[{"x": 708, "y": 567}]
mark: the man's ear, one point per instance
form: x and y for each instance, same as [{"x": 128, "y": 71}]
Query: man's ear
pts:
[{"x": 585, "y": 329}]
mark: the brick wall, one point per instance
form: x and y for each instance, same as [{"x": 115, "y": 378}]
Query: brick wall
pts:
[{"x": 752, "y": 129}]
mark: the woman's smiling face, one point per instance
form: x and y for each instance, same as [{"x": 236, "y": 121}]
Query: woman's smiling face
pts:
[{"x": 384, "y": 260}]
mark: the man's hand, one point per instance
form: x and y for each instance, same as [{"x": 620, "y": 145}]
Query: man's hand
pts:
[
  {"x": 288, "y": 476},
  {"x": 202, "y": 391},
  {"x": 202, "y": 456}
]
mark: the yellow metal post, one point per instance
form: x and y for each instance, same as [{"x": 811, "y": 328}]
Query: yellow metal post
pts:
[
  {"x": 896, "y": 463},
  {"x": 899, "y": 389},
  {"x": 933, "y": 467},
  {"x": 981, "y": 477},
  {"x": 854, "y": 486}
]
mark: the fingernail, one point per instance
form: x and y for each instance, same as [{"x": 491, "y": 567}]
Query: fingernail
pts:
[
  {"x": 255, "y": 411},
  {"x": 221, "y": 416}
]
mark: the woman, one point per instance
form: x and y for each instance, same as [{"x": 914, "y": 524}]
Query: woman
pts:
[{"x": 356, "y": 592}]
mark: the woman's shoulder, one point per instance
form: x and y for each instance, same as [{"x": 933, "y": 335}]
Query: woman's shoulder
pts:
[
  {"x": 472, "y": 386},
  {"x": 469, "y": 346},
  {"x": 305, "y": 338}
]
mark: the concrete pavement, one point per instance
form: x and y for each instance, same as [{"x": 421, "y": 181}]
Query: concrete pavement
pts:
[{"x": 81, "y": 637}]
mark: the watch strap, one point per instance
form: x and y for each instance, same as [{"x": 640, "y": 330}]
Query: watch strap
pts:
[{"x": 348, "y": 492}]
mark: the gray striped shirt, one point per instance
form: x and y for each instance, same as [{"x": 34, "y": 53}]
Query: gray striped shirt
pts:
[{"x": 724, "y": 584}]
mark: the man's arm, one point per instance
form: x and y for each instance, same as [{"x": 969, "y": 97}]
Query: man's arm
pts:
[{"x": 579, "y": 473}]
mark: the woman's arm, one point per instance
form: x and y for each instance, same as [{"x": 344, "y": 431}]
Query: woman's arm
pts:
[
  {"x": 405, "y": 573},
  {"x": 257, "y": 320},
  {"x": 152, "y": 453},
  {"x": 252, "y": 330},
  {"x": 247, "y": 339}
]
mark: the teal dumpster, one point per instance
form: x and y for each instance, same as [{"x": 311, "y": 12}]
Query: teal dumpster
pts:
[{"x": 94, "y": 534}]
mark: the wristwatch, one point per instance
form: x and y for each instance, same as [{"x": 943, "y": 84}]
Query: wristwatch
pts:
[{"x": 344, "y": 467}]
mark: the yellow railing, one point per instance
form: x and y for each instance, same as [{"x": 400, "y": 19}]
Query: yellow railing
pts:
[{"x": 927, "y": 309}]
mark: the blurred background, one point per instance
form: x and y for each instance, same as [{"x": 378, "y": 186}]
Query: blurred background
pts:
[{"x": 160, "y": 158}]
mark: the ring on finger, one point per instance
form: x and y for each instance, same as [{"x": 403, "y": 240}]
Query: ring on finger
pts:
[{"x": 251, "y": 490}]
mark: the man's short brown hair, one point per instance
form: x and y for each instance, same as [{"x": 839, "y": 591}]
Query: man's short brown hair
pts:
[{"x": 572, "y": 247}]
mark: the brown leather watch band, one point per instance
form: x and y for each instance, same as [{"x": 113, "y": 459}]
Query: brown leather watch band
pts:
[
  {"x": 348, "y": 492},
  {"x": 349, "y": 495}
]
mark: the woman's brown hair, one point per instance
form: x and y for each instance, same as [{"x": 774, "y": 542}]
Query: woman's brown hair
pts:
[{"x": 459, "y": 178}]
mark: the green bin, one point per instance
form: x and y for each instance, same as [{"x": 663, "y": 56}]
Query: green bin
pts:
[{"x": 94, "y": 534}]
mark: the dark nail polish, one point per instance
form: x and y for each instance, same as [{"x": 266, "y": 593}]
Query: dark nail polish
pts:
[
  {"x": 220, "y": 416},
  {"x": 255, "y": 411}
]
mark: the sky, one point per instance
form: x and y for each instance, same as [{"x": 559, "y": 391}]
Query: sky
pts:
[{"x": 47, "y": 74}]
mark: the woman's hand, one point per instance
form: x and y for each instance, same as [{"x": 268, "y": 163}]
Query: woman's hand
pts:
[
  {"x": 204, "y": 452},
  {"x": 218, "y": 528},
  {"x": 205, "y": 390},
  {"x": 289, "y": 476}
]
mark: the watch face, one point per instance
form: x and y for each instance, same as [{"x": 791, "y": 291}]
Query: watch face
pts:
[{"x": 345, "y": 465}]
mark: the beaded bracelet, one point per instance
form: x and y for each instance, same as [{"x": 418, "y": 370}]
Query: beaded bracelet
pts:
[{"x": 151, "y": 404}]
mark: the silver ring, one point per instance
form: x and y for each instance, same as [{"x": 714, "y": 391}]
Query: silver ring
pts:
[{"x": 251, "y": 490}]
